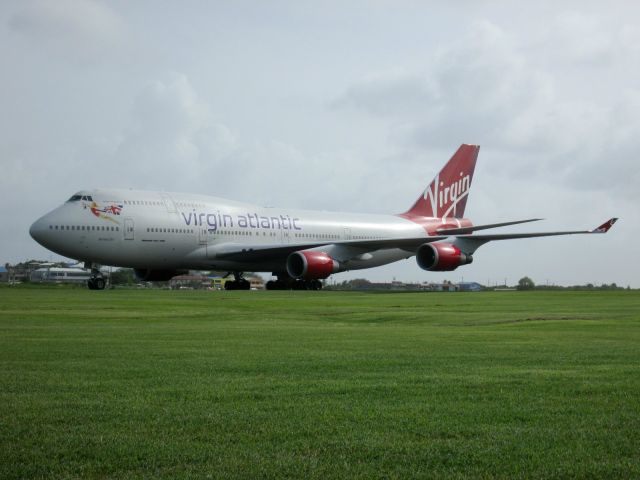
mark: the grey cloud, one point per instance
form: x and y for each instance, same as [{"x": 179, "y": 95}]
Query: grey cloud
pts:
[
  {"x": 79, "y": 30},
  {"x": 471, "y": 90},
  {"x": 583, "y": 39},
  {"x": 396, "y": 93},
  {"x": 173, "y": 142},
  {"x": 485, "y": 89}
]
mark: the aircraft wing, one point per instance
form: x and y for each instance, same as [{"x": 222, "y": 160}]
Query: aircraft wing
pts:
[
  {"x": 467, "y": 242},
  {"x": 237, "y": 251}
]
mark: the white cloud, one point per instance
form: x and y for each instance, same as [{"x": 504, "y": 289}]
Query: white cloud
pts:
[{"x": 173, "y": 142}]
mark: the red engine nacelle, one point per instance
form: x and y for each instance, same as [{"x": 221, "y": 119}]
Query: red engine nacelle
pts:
[
  {"x": 311, "y": 265},
  {"x": 441, "y": 257}
]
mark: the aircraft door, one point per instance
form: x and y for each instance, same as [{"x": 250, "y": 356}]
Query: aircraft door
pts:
[
  {"x": 207, "y": 238},
  {"x": 285, "y": 236},
  {"x": 168, "y": 202},
  {"x": 202, "y": 235},
  {"x": 346, "y": 233},
  {"x": 128, "y": 229}
]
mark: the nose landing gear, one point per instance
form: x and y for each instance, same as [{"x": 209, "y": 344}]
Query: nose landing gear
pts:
[{"x": 96, "y": 281}]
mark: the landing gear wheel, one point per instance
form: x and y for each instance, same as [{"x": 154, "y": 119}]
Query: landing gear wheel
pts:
[
  {"x": 238, "y": 283},
  {"x": 291, "y": 284},
  {"x": 96, "y": 280},
  {"x": 277, "y": 285},
  {"x": 96, "y": 283},
  {"x": 99, "y": 283},
  {"x": 300, "y": 285}
]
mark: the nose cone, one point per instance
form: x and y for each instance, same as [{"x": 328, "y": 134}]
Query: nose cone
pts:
[{"x": 38, "y": 230}]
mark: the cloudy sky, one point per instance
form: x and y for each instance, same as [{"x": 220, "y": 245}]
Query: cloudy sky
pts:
[{"x": 350, "y": 106}]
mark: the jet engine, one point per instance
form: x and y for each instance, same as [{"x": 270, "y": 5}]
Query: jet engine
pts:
[
  {"x": 148, "y": 275},
  {"x": 311, "y": 265},
  {"x": 441, "y": 257}
]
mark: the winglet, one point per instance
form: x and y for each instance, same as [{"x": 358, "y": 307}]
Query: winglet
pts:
[{"x": 604, "y": 228}]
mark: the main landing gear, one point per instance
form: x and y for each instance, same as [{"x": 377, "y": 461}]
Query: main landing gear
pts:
[
  {"x": 291, "y": 284},
  {"x": 96, "y": 281},
  {"x": 238, "y": 283}
]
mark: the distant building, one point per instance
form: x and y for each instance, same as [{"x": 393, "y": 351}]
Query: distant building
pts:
[
  {"x": 4, "y": 274},
  {"x": 60, "y": 275},
  {"x": 469, "y": 287},
  {"x": 444, "y": 287},
  {"x": 192, "y": 282}
]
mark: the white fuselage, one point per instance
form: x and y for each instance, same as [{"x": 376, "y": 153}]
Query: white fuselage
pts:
[{"x": 156, "y": 230}]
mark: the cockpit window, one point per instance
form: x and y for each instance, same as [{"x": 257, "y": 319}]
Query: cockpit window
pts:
[{"x": 77, "y": 196}]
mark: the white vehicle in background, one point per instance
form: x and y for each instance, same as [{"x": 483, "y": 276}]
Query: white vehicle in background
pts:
[{"x": 60, "y": 275}]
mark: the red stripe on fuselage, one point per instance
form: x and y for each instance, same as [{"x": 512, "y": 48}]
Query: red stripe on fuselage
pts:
[{"x": 431, "y": 225}]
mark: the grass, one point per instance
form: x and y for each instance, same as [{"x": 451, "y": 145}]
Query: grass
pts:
[{"x": 149, "y": 384}]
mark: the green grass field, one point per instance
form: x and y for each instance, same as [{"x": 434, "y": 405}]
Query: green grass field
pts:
[{"x": 149, "y": 384}]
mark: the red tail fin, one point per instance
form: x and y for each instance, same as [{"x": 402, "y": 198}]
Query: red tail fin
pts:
[{"x": 447, "y": 195}]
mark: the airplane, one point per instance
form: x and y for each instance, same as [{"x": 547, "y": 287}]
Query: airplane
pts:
[{"x": 162, "y": 234}]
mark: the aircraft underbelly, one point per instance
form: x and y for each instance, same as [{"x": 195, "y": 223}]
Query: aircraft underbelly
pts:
[{"x": 376, "y": 259}]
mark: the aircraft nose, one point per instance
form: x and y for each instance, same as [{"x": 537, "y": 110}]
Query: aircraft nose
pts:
[{"x": 38, "y": 229}]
